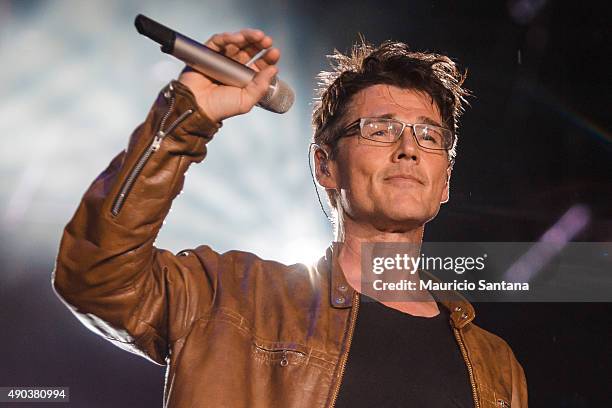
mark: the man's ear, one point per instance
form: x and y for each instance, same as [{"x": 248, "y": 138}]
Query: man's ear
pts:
[
  {"x": 323, "y": 168},
  {"x": 446, "y": 190}
]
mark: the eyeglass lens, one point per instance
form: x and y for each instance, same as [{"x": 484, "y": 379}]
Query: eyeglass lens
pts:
[{"x": 388, "y": 131}]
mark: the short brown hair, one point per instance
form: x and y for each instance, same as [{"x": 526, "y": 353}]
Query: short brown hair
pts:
[{"x": 391, "y": 63}]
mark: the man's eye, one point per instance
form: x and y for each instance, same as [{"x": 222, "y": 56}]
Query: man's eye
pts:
[
  {"x": 379, "y": 133},
  {"x": 431, "y": 136}
]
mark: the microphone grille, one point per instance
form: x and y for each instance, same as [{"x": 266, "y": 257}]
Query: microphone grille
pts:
[{"x": 279, "y": 98}]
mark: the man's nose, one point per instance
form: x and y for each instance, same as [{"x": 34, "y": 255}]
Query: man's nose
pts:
[{"x": 407, "y": 147}]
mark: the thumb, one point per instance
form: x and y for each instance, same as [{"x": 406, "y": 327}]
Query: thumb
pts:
[{"x": 258, "y": 87}]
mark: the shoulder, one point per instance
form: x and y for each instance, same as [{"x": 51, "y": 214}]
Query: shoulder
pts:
[{"x": 244, "y": 266}]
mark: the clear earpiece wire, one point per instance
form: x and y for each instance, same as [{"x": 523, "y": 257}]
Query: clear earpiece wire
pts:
[{"x": 315, "y": 183}]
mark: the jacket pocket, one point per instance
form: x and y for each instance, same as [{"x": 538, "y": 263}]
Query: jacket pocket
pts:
[
  {"x": 502, "y": 403},
  {"x": 281, "y": 354},
  {"x": 493, "y": 398}
]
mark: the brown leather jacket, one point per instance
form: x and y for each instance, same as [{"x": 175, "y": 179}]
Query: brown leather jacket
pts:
[{"x": 234, "y": 330}]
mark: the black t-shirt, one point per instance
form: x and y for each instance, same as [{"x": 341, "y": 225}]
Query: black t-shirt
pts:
[{"x": 400, "y": 360}]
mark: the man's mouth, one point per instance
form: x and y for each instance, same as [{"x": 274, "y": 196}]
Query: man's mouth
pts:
[{"x": 404, "y": 178}]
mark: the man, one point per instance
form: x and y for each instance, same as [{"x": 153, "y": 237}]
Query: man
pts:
[{"x": 238, "y": 331}]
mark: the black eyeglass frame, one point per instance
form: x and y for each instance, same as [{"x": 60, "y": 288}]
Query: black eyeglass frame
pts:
[{"x": 359, "y": 123}]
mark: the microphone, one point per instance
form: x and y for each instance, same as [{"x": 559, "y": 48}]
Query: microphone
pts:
[{"x": 279, "y": 97}]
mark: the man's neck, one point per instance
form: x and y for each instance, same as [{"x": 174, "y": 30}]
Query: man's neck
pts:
[{"x": 353, "y": 234}]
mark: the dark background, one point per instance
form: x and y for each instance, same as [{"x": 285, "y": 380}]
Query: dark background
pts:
[{"x": 535, "y": 142}]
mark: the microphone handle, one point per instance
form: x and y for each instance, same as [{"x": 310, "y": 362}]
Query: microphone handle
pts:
[{"x": 211, "y": 63}]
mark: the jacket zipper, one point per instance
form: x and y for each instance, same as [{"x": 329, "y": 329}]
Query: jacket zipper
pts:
[
  {"x": 469, "y": 366},
  {"x": 344, "y": 358},
  {"x": 153, "y": 147}
]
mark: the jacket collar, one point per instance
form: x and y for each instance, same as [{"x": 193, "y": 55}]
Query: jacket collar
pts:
[{"x": 341, "y": 293}]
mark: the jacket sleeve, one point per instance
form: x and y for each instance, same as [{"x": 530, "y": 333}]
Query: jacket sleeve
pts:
[{"x": 108, "y": 271}]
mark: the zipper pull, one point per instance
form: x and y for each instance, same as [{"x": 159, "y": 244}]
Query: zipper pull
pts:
[
  {"x": 169, "y": 90},
  {"x": 284, "y": 360},
  {"x": 157, "y": 141}
]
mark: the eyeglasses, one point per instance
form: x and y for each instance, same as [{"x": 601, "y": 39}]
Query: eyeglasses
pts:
[{"x": 386, "y": 130}]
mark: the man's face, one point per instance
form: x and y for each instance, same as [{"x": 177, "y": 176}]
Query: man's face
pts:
[{"x": 396, "y": 186}]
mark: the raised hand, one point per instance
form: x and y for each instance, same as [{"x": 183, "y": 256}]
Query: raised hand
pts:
[{"x": 219, "y": 101}]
